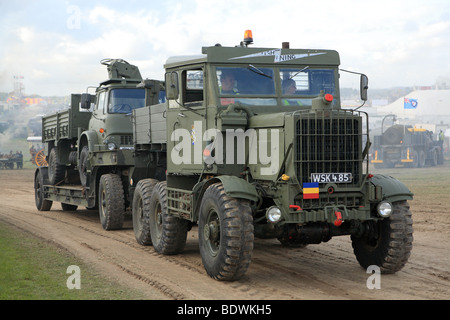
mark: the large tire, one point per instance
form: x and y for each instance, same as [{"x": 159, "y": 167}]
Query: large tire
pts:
[
  {"x": 387, "y": 243},
  {"x": 434, "y": 158},
  {"x": 56, "y": 170},
  {"x": 82, "y": 167},
  {"x": 422, "y": 159},
  {"x": 168, "y": 232},
  {"x": 41, "y": 203},
  {"x": 111, "y": 202},
  {"x": 225, "y": 233},
  {"x": 141, "y": 211}
]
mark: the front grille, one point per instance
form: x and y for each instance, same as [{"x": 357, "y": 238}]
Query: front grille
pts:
[
  {"x": 126, "y": 140},
  {"x": 329, "y": 142}
]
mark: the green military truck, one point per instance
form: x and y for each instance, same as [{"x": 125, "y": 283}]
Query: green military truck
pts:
[
  {"x": 406, "y": 146},
  {"x": 259, "y": 146},
  {"x": 90, "y": 153}
]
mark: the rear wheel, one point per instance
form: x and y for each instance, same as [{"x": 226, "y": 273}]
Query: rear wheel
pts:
[
  {"x": 141, "y": 211},
  {"x": 168, "y": 232},
  {"x": 225, "y": 233},
  {"x": 111, "y": 202},
  {"x": 434, "y": 158},
  {"x": 422, "y": 159},
  {"x": 386, "y": 243},
  {"x": 416, "y": 160}
]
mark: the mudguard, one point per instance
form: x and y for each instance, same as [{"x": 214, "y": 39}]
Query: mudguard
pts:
[
  {"x": 238, "y": 188},
  {"x": 89, "y": 138},
  {"x": 392, "y": 189},
  {"x": 233, "y": 186}
]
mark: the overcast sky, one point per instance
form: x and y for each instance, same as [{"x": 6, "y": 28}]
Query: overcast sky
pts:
[{"x": 57, "y": 45}]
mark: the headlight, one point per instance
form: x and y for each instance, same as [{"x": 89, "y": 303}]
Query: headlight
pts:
[
  {"x": 384, "y": 209},
  {"x": 111, "y": 146},
  {"x": 273, "y": 214}
]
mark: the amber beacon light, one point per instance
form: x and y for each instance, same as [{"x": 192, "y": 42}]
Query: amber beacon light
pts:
[{"x": 248, "y": 37}]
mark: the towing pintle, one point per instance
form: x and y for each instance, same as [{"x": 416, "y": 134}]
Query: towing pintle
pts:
[{"x": 121, "y": 69}]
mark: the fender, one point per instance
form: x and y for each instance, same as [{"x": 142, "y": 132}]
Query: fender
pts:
[
  {"x": 238, "y": 188},
  {"x": 88, "y": 138},
  {"x": 392, "y": 189},
  {"x": 234, "y": 187}
]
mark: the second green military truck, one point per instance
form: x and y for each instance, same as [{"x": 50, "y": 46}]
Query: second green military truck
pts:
[
  {"x": 259, "y": 146},
  {"x": 89, "y": 150}
]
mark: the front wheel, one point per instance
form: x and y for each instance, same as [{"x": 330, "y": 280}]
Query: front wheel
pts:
[
  {"x": 388, "y": 242},
  {"x": 42, "y": 204},
  {"x": 225, "y": 233},
  {"x": 111, "y": 202},
  {"x": 83, "y": 165}
]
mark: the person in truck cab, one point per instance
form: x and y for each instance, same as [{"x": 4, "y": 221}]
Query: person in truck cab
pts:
[{"x": 227, "y": 83}]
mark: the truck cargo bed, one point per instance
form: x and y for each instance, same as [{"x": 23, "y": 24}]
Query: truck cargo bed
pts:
[{"x": 66, "y": 123}]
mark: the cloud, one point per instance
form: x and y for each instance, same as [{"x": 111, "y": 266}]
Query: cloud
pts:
[{"x": 57, "y": 48}]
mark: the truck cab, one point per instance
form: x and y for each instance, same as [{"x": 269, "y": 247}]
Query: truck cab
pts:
[{"x": 107, "y": 143}]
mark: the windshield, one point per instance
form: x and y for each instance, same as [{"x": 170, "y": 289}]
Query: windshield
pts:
[
  {"x": 125, "y": 100},
  {"x": 254, "y": 85},
  {"x": 246, "y": 81},
  {"x": 300, "y": 85},
  {"x": 234, "y": 83}
]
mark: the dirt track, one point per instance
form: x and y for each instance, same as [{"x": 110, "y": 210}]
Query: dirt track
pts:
[{"x": 325, "y": 271}]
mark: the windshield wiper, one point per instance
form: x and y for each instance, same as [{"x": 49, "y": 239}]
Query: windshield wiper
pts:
[
  {"x": 257, "y": 71},
  {"x": 299, "y": 72}
]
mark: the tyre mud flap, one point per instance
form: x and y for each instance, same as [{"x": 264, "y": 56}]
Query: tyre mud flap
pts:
[{"x": 392, "y": 189}]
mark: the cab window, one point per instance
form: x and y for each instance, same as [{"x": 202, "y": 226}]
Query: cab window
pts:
[{"x": 101, "y": 102}]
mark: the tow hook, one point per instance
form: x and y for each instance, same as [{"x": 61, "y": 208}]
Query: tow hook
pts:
[{"x": 338, "y": 220}]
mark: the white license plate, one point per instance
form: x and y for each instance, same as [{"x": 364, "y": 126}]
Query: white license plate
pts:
[{"x": 331, "y": 177}]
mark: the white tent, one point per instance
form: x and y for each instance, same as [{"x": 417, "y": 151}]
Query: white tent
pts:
[{"x": 432, "y": 106}]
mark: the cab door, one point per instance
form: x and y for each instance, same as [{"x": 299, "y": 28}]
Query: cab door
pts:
[{"x": 186, "y": 121}]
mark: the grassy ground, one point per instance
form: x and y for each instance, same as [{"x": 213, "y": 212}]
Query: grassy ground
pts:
[{"x": 31, "y": 269}]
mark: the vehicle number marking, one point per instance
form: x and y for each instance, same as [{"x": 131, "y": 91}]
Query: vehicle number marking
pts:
[{"x": 331, "y": 177}]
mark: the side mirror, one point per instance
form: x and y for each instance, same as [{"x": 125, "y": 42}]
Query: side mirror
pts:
[
  {"x": 172, "y": 90},
  {"x": 85, "y": 101},
  {"x": 364, "y": 86}
]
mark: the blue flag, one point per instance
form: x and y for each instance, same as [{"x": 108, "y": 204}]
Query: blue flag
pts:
[{"x": 410, "y": 103}]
